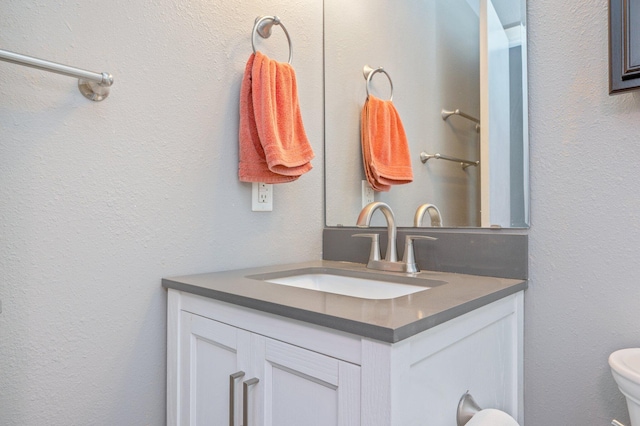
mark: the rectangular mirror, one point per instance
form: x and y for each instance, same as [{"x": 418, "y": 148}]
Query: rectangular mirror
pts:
[{"x": 441, "y": 56}]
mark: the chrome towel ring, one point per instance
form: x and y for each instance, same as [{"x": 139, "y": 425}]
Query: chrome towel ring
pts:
[
  {"x": 368, "y": 75},
  {"x": 263, "y": 27}
]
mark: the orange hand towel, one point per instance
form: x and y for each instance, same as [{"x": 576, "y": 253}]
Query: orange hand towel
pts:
[
  {"x": 278, "y": 118},
  {"x": 366, "y": 152},
  {"x": 253, "y": 165},
  {"x": 385, "y": 149}
]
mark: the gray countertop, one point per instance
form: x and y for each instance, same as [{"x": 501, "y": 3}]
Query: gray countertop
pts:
[{"x": 388, "y": 320}]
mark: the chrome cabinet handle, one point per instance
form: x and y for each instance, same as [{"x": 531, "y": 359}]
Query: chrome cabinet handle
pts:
[
  {"x": 232, "y": 392},
  {"x": 245, "y": 399}
]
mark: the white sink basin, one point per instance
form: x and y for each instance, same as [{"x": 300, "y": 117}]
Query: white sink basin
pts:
[{"x": 364, "y": 288}]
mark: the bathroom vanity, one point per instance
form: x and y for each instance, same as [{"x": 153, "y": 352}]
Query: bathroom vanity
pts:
[{"x": 244, "y": 350}]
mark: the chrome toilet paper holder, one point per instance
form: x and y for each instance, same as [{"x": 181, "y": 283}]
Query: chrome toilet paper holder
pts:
[{"x": 467, "y": 408}]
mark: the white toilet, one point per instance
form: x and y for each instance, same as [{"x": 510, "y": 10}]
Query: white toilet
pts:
[{"x": 625, "y": 367}]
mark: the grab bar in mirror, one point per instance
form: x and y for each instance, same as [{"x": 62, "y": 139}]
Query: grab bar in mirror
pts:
[
  {"x": 424, "y": 157},
  {"x": 446, "y": 114}
]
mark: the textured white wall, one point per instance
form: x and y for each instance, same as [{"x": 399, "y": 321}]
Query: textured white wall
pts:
[
  {"x": 98, "y": 201},
  {"x": 584, "y": 296}
]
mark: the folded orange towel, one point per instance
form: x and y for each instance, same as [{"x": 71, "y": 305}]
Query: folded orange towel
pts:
[
  {"x": 366, "y": 152},
  {"x": 273, "y": 144},
  {"x": 252, "y": 166},
  {"x": 385, "y": 149},
  {"x": 278, "y": 117}
]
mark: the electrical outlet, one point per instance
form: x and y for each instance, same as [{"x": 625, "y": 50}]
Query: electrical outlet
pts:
[
  {"x": 368, "y": 195},
  {"x": 262, "y": 197}
]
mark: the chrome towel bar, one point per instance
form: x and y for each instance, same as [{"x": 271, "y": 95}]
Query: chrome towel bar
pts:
[
  {"x": 424, "y": 157},
  {"x": 92, "y": 85}
]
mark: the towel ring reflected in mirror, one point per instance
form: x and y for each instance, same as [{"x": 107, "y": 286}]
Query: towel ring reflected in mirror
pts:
[
  {"x": 263, "y": 27},
  {"x": 368, "y": 74}
]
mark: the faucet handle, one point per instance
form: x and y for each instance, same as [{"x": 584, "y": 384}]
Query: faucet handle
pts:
[
  {"x": 374, "y": 254},
  {"x": 409, "y": 258}
]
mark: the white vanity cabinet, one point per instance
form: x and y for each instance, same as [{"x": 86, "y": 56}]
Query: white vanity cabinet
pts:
[
  {"x": 285, "y": 384},
  {"x": 313, "y": 375},
  {"x": 211, "y": 353}
]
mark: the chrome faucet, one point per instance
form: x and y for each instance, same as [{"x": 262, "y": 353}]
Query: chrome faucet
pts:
[
  {"x": 364, "y": 220},
  {"x": 434, "y": 213},
  {"x": 390, "y": 262}
]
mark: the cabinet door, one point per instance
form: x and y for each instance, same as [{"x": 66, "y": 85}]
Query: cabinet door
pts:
[
  {"x": 210, "y": 352},
  {"x": 301, "y": 387}
]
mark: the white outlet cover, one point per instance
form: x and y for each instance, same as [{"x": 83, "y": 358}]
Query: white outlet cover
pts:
[
  {"x": 261, "y": 197},
  {"x": 368, "y": 194}
]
